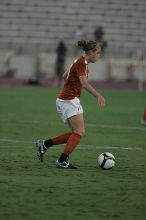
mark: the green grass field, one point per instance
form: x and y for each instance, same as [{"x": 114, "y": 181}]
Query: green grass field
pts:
[{"x": 30, "y": 190}]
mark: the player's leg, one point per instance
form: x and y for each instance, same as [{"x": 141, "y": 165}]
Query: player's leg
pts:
[
  {"x": 78, "y": 129},
  {"x": 77, "y": 124}
]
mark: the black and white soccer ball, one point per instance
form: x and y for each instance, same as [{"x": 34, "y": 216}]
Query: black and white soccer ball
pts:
[{"x": 106, "y": 161}]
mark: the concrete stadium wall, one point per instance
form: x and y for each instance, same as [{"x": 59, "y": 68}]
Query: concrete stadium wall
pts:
[{"x": 105, "y": 69}]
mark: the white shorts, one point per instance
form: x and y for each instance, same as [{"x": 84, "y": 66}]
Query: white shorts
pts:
[{"x": 68, "y": 108}]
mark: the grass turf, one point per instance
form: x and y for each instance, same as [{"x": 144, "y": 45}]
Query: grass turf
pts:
[{"x": 31, "y": 190}]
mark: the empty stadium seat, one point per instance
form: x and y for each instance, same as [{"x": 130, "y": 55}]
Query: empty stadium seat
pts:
[{"x": 44, "y": 22}]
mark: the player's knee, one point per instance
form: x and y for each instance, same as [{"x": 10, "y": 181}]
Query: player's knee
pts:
[{"x": 80, "y": 132}]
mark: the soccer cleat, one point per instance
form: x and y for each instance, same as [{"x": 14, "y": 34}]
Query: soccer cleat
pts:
[
  {"x": 65, "y": 165},
  {"x": 41, "y": 150}
]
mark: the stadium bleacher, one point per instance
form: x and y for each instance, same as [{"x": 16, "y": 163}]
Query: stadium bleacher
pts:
[
  {"x": 34, "y": 27},
  {"x": 37, "y": 25}
]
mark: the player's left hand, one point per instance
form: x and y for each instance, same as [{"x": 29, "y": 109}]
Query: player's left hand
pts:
[{"x": 101, "y": 101}]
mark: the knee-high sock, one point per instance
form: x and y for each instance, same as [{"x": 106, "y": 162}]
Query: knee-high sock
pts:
[
  {"x": 72, "y": 142},
  {"x": 60, "y": 139}
]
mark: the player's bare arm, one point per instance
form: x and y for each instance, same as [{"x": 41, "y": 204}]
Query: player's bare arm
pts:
[{"x": 86, "y": 85}]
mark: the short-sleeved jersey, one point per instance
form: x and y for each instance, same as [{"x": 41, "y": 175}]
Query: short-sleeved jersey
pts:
[{"x": 72, "y": 87}]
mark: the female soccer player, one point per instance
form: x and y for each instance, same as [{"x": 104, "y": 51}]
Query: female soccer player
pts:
[{"x": 69, "y": 107}]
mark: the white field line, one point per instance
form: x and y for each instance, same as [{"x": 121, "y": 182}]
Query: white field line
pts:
[
  {"x": 81, "y": 146},
  {"x": 117, "y": 127},
  {"x": 139, "y": 128},
  {"x": 20, "y": 121}
]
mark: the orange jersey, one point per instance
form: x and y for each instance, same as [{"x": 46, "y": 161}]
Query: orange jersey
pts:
[{"x": 72, "y": 87}]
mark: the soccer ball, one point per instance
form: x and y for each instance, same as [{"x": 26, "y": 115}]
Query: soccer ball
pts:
[{"x": 106, "y": 161}]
